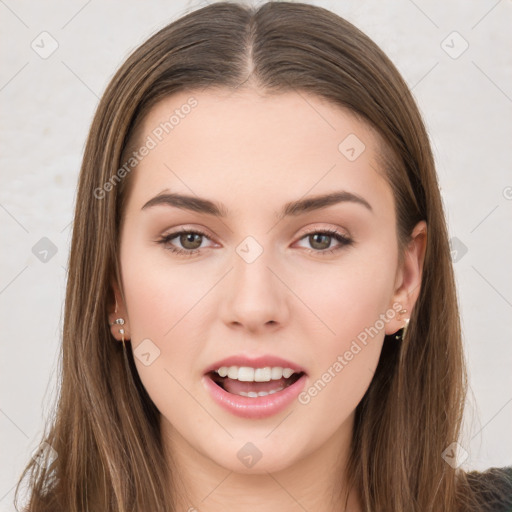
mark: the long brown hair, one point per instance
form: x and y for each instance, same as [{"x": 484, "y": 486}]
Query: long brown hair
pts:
[{"x": 105, "y": 429}]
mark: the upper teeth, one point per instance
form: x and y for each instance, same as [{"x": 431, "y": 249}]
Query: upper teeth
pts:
[{"x": 248, "y": 374}]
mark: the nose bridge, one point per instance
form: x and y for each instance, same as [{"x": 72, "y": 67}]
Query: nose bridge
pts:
[{"x": 255, "y": 297}]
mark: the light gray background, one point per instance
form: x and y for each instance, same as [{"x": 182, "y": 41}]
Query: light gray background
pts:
[{"x": 47, "y": 105}]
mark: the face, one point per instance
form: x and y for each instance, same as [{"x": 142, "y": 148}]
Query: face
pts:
[{"x": 259, "y": 276}]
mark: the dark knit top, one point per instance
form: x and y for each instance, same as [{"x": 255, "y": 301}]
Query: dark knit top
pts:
[{"x": 493, "y": 488}]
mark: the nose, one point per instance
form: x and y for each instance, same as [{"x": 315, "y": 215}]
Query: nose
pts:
[{"x": 256, "y": 300}]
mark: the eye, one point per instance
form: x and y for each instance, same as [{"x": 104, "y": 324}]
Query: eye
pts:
[
  {"x": 191, "y": 241},
  {"x": 321, "y": 240}
]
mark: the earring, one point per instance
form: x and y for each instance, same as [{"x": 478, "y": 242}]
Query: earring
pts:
[
  {"x": 119, "y": 321},
  {"x": 121, "y": 332},
  {"x": 403, "y": 330}
]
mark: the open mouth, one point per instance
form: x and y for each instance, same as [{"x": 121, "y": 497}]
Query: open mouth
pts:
[{"x": 253, "y": 389}]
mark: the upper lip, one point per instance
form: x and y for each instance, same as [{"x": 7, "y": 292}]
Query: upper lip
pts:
[{"x": 255, "y": 362}]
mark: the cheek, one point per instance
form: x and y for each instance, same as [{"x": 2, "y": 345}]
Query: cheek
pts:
[
  {"x": 347, "y": 331},
  {"x": 163, "y": 306},
  {"x": 346, "y": 297},
  {"x": 160, "y": 295}
]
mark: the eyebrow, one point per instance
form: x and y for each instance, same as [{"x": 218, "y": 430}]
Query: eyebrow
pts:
[{"x": 293, "y": 208}]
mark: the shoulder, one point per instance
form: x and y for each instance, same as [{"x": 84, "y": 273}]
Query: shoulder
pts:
[{"x": 492, "y": 488}]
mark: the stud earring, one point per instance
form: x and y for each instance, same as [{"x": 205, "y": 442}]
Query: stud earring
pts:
[
  {"x": 403, "y": 330},
  {"x": 119, "y": 321}
]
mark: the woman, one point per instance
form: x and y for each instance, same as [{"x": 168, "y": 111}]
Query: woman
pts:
[{"x": 261, "y": 309}]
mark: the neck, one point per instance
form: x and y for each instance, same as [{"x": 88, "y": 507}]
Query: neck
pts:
[{"x": 314, "y": 481}]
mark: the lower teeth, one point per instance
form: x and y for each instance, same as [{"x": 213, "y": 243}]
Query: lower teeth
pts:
[{"x": 252, "y": 394}]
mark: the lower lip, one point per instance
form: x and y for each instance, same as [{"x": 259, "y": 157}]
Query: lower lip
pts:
[{"x": 257, "y": 407}]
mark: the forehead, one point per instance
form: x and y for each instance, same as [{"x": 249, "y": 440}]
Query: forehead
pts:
[{"x": 236, "y": 146}]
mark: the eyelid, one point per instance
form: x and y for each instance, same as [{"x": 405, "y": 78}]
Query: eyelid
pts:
[
  {"x": 331, "y": 229},
  {"x": 185, "y": 228},
  {"x": 206, "y": 233}
]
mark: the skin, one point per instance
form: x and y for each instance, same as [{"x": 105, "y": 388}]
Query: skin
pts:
[{"x": 254, "y": 153}]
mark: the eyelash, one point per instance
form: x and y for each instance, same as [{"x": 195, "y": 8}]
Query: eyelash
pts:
[{"x": 342, "y": 239}]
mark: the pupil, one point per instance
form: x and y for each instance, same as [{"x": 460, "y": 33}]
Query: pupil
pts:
[
  {"x": 319, "y": 235},
  {"x": 189, "y": 237}
]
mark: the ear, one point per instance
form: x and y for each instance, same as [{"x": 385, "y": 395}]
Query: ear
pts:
[
  {"x": 117, "y": 312},
  {"x": 408, "y": 278}
]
